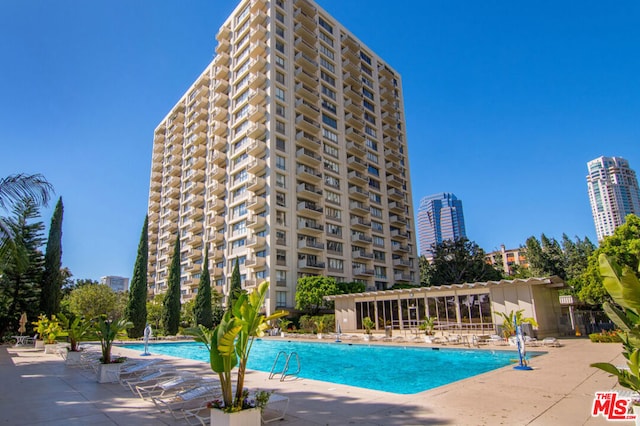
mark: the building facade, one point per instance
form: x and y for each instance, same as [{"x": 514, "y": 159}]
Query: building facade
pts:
[
  {"x": 116, "y": 283},
  {"x": 510, "y": 259},
  {"x": 613, "y": 193},
  {"x": 288, "y": 153},
  {"x": 440, "y": 218}
]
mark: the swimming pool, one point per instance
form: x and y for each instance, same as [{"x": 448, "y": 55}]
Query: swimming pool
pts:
[{"x": 397, "y": 369}]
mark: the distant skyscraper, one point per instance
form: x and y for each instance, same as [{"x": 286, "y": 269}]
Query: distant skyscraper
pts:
[
  {"x": 116, "y": 283},
  {"x": 440, "y": 218},
  {"x": 613, "y": 193}
]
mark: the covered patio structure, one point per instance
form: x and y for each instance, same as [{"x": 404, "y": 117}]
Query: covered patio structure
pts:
[{"x": 464, "y": 308}]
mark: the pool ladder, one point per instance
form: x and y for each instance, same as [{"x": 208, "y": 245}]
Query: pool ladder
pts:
[{"x": 285, "y": 371}]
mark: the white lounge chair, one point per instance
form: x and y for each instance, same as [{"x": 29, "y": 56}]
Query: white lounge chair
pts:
[
  {"x": 150, "y": 378},
  {"x": 550, "y": 341},
  {"x": 167, "y": 387},
  {"x": 179, "y": 404}
]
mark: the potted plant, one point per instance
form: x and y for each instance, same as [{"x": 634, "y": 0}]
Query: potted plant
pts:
[
  {"x": 107, "y": 331},
  {"x": 512, "y": 320},
  {"x": 76, "y": 329},
  {"x": 49, "y": 330},
  {"x": 623, "y": 286},
  {"x": 229, "y": 345},
  {"x": 320, "y": 324},
  {"x": 427, "y": 326},
  {"x": 368, "y": 325},
  {"x": 284, "y": 326}
]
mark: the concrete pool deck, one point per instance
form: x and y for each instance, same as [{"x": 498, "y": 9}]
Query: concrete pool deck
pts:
[{"x": 39, "y": 389}]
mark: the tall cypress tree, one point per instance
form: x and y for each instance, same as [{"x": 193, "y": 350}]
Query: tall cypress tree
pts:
[
  {"x": 202, "y": 309},
  {"x": 137, "y": 305},
  {"x": 52, "y": 277},
  {"x": 236, "y": 286},
  {"x": 171, "y": 306}
]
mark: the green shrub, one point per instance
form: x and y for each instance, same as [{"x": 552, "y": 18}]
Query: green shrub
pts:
[{"x": 605, "y": 337}]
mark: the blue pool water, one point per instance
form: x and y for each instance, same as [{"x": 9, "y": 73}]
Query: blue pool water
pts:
[{"x": 402, "y": 370}]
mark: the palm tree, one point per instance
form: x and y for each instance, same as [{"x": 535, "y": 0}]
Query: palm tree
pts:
[{"x": 15, "y": 189}]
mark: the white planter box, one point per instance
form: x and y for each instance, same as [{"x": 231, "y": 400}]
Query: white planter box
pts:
[
  {"x": 109, "y": 373},
  {"x": 51, "y": 349},
  {"x": 73, "y": 358},
  {"x": 249, "y": 417},
  {"x": 39, "y": 344}
]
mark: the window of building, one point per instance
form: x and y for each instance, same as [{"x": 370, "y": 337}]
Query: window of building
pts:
[
  {"x": 368, "y": 105},
  {"x": 328, "y": 92},
  {"x": 280, "y": 31},
  {"x": 335, "y": 230},
  {"x": 281, "y": 199},
  {"x": 331, "y": 165},
  {"x": 239, "y": 210},
  {"x": 280, "y": 62},
  {"x": 328, "y": 65},
  {"x": 375, "y": 212},
  {"x": 371, "y": 144},
  {"x": 372, "y": 157},
  {"x": 332, "y": 197},
  {"x": 330, "y": 150},
  {"x": 327, "y": 78},
  {"x": 281, "y": 257},
  {"x": 365, "y": 57},
  {"x": 370, "y": 131},
  {"x": 333, "y": 213},
  {"x": 324, "y": 24},
  {"x": 379, "y": 255},
  {"x": 334, "y": 246},
  {"x": 332, "y": 181},
  {"x": 367, "y": 93},
  {"x": 375, "y": 197},
  {"x": 281, "y": 111},
  {"x": 281, "y": 237},
  {"x": 281, "y": 180},
  {"x": 332, "y": 136},
  {"x": 281, "y": 144},
  {"x": 238, "y": 243},
  {"x": 280, "y": 127},
  {"x": 281, "y": 218},
  {"x": 281, "y": 162},
  {"x": 280, "y": 94},
  {"x": 324, "y": 37},
  {"x": 373, "y": 170},
  {"x": 326, "y": 51},
  {"x": 329, "y": 121},
  {"x": 281, "y": 299},
  {"x": 336, "y": 264},
  {"x": 377, "y": 226},
  {"x": 378, "y": 241},
  {"x": 279, "y": 46},
  {"x": 279, "y": 16},
  {"x": 329, "y": 106}
]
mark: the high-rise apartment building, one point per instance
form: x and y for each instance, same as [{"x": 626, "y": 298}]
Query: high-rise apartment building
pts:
[
  {"x": 116, "y": 283},
  {"x": 288, "y": 153},
  {"x": 613, "y": 193},
  {"x": 440, "y": 218}
]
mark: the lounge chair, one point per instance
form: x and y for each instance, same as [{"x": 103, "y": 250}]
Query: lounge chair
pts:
[
  {"x": 149, "y": 378},
  {"x": 168, "y": 386},
  {"x": 194, "y": 397},
  {"x": 551, "y": 341}
]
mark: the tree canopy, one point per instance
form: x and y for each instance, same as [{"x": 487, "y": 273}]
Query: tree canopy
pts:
[
  {"x": 93, "y": 300},
  {"x": 171, "y": 307},
  {"x": 137, "y": 304},
  {"x": 459, "y": 261},
  {"x": 624, "y": 246},
  {"x": 52, "y": 279},
  {"x": 311, "y": 290}
]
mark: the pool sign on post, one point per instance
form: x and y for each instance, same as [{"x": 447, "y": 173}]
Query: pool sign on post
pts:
[{"x": 521, "y": 350}]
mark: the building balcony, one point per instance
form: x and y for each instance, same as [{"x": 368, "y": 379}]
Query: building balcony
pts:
[
  {"x": 306, "y": 107},
  {"x": 351, "y": 66},
  {"x": 256, "y": 148},
  {"x": 218, "y": 143},
  {"x": 361, "y": 255},
  {"x": 309, "y": 191},
  {"x": 390, "y": 130},
  {"x": 396, "y": 207},
  {"x": 256, "y": 242},
  {"x": 355, "y": 148},
  {"x": 307, "y": 92},
  {"x": 308, "y": 245},
  {"x": 258, "y": 18},
  {"x": 359, "y": 207},
  {"x": 358, "y": 193},
  {"x": 362, "y": 272},
  {"x": 392, "y": 154},
  {"x": 361, "y": 239},
  {"x": 399, "y": 235},
  {"x": 220, "y": 99},
  {"x": 308, "y": 140},
  {"x": 308, "y": 157},
  {"x": 305, "y": 32},
  {"x": 217, "y": 188},
  {"x": 216, "y": 205},
  {"x": 401, "y": 262},
  {"x": 352, "y": 107},
  {"x": 352, "y": 120},
  {"x": 394, "y": 167},
  {"x": 257, "y": 96},
  {"x": 255, "y": 262},
  {"x": 353, "y": 93},
  {"x": 217, "y": 172},
  {"x": 258, "y": 32},
  {"x": 221, "y": 72},
  {"x": 215, "y": 256},
  {"x": 308, "y": 208},
  {"x": 354, "y": 135},
  {"x": 402, "y": 277},
  {"x": 360, "y": 223},
  {"x": 400, "y": 248},
  {"x": 255, "y": 221},
  {"x": 306, "y": 77},
  {"x": 217, "y": 272},
  {"x": 310, "y": 226},
  {"x": 256, "y": 184},
  {"x": 308, "y": 174},
  {"x": 306, "y": 62},
  {"x": 258, "y": 48},
  {"x": 310, "y": 264},
  {"x": 195, "y": 226},
  {"x": 302, "y": 15},
  {"x": 256, "y": 203},
  {"x": 218, "y": 158},
  {"x": 219, "y": 113},
  {"x": 257, "y": 166},
  {"x": 395, "y": 181},
  {"x": 395, "y": 194},
  {"x": 308, "y": 124},
  {"x": 220, "y": 129},
  {"x": 216, "y": 237},
  {"x": 257, "y": 80},
  {"x": 256, "y": 130},
  {"x": 303, "y": 46},
  {"x": 391, "y": 143},
  {"x": 356, "y": 163},
  {"x": 216, "y": 221},
  {"x": 351, "y": 78},
  {"x": 257, "y": 113},
  {"x": 397, "y": 220}
]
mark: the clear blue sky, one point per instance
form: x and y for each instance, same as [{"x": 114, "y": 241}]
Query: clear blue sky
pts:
[{"x": 505, "y": 103}]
